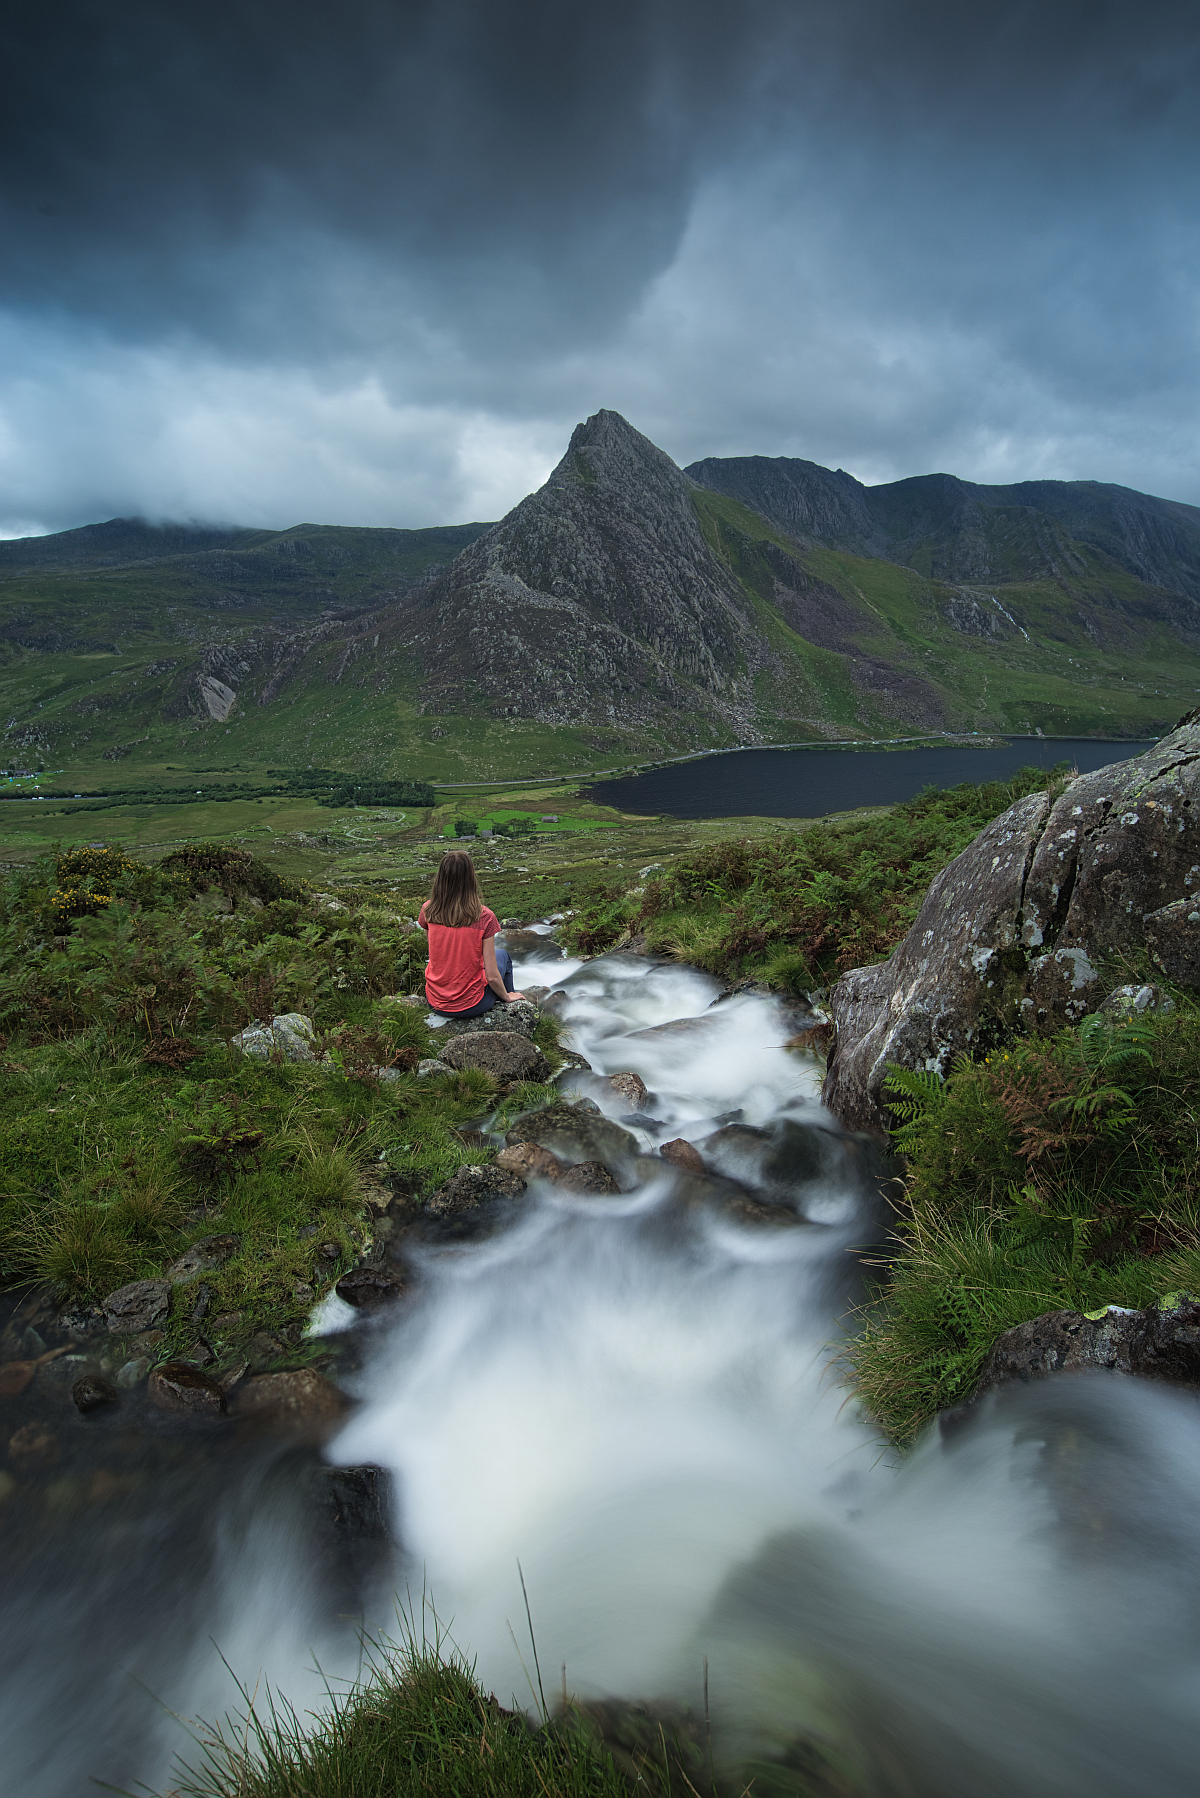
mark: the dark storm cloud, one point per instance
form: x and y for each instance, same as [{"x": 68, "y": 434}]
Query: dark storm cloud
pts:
[
  {"x": 882, "y": 232},
  {"x": 153, "y": 152}
]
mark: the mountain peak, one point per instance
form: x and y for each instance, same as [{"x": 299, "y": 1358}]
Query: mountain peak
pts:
[{"x": 605, "y": 447}]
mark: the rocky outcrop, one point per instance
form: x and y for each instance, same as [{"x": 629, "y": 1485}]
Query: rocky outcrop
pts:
[
  {"x": 1159, "y": 1344},
  {"x": 1016, "y": 930},
  {"x": 596, "y": 600}
]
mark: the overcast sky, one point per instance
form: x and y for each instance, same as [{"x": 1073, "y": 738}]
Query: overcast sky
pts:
[{"x": 370, "y": 261}]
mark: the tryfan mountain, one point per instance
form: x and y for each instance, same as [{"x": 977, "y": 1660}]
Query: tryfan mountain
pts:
[{"x": 627, "y": 609}]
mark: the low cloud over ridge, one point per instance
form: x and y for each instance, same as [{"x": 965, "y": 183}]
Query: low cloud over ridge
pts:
[{"x": 372, "y": 265}]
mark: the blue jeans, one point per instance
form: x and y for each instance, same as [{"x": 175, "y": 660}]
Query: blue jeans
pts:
[{"x": 504, "y": 964}]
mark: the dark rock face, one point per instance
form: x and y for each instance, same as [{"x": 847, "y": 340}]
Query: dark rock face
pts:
[
  {"x": 91, "y": 1393},
  {"x": 963, "y": 531},
  {"x": 470, "y": 1187},
  {"x": 596, "y": 600},
  {"x": 502, "y": 1053},
  {"x": 1014, "y": 927},
  {"x": 181, "y": 1388},
  {"x": 136, "y": 1307},
  {"x": 1158, "y": 1345},
  {"x": 354, "y": 1502},
  {"x": 365, "y": 1287}
]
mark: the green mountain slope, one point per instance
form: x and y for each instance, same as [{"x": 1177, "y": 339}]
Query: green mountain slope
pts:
[{"x": 626, "y": 609}]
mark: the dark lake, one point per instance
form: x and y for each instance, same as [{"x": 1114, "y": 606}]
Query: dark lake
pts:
[{"x": 808, "y": 783}]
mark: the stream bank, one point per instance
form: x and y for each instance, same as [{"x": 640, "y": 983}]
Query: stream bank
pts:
[{"x": 634, "y": 1395}]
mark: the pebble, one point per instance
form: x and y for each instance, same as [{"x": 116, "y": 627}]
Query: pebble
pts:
[{"x": 177, "y": 1387}]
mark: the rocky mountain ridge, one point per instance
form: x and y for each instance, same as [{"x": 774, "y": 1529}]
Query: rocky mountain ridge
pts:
[{"x": 627, "y": 607}]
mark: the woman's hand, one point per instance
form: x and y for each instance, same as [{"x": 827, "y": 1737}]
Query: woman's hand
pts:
[{"x": 509, "y": 997}]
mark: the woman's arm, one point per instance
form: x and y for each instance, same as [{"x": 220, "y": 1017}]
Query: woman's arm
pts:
[{"x": 492, "y": 971}]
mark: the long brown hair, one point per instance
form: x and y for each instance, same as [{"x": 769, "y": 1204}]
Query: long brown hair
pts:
[{"x": 454, "y": 897}]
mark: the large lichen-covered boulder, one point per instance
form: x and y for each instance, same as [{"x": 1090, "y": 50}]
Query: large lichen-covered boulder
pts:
[
  {"x": 1018, "y": 927},
  {"x": 518, "y": 1015},
  {"x": 1162, "y": 1343},
  {"x": 505, "y": 1054}
]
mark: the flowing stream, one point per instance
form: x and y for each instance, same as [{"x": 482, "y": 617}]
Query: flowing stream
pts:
[{"x": 635, "y": 1398}]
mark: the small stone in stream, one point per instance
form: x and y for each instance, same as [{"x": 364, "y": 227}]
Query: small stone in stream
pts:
[
  {"x": 138, "y": 1306},
  {"x": 640, "y": 1120},
  {"x": 32, "y": 1448},
  {"x": 301, "y": 1396},
  {"x": 577, "y": 1133},
  {"x": 203, "y": 1257},
  {"x": 263, "y": 1348},
  {"x": 133, "y": 1373},
  {"x": 184, "y": 1391},
  {"x": 364, "y": 1287},
  {"x": 729, "y": 1117},
  {"x": 572, "y": 1060},
  {"x": 681, "y": 1154},
  {"x": 556, "y": 1002},
  {"x": 531, "y": 1161},
  {"x": 588, "y": 1176},
  {"x": 631, "y": 1087},
  {"x": 535, "y": 994},
  {"x": 504, "y": 1054},
  {"x": 303, "y": 1294},
  {"x": 470, "y": 1187},
  {"x": 92, "y": 1393}
]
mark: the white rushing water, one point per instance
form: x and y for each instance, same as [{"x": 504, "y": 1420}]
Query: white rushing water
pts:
[
  {"x": 635, "y": 1397},
  {"x": 636, "y": 1400}
]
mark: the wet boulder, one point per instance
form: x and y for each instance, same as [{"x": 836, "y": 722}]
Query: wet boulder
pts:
[
  {"x": 1013, "y": 933},
  {"x": 1157, "y": 1344},
  {"x": 630, "y": 1087},
  {"x": 577, "y": 1133},
  {"x": 531, "y": 1162},
  {"x": 473, "y": 1186},
  {"x": 300, "y": 1398},
  {"x": 505, "y": 1054},
  {"x": 137, "y": 1307},
  {"x": 367, "y": 1287},
  {"x": 681, "y": 1154},
  {"x": 183, "y": 1390},
  {"x": 588, "y": 1177},
  {"x": 93, "y": 1393}
]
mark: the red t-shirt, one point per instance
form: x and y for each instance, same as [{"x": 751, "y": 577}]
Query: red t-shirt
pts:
[{"x": 454, "y": 976}]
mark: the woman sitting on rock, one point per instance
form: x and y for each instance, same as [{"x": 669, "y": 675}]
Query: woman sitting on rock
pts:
[{"x": 466, "y": 973}]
